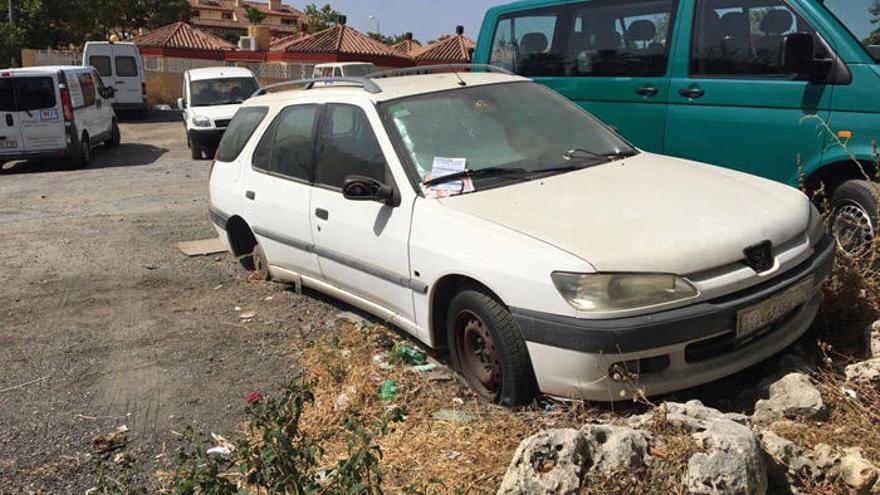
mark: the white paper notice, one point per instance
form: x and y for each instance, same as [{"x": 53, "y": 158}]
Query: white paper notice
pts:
[{"x": 448, "y": 166}]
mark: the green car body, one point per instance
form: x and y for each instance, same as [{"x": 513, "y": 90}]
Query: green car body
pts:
[{"x": 782, "y": 128}]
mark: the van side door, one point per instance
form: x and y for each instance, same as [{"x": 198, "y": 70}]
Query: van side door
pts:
[
  {"x": 128, "y": 75},
  {"x": 731, "y": 101},
  {"x": 10, "y": 128},
  {"x": 609, "y": 57}
]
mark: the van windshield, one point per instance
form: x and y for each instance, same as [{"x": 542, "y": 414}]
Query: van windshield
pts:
[
  {"x": 521, "y": 127},
  {"x": 226, "y": 91},
  {"x": 358, "y": 70},
  {"x": 862, "y": 18}
]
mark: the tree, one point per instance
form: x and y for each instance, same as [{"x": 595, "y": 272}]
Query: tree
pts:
[
  {"x": 231, "y": 36},
  {"x": 874, "y": 37},
  {"x": 389, "y": 40},
  {"x": 254, "y": 16},
  {"x": 444, "y": 37},
  {"x": 321, "y": 19}
]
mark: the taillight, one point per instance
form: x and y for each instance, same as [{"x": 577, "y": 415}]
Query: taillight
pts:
[{"x": 66, "y": 107}]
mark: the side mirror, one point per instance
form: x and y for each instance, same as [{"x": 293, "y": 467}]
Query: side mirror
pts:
[
  {"x": 108, "y": 92},
  {"x": 797, "y": 53},
  {"x": 359, "y": 188},
  {"x": 181, "y": 104}
]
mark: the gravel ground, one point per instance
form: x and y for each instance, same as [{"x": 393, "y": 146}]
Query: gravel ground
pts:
[{"x": 117, "y": 326}]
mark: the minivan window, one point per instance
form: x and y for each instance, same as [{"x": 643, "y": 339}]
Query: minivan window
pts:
[
  {"x": 348, "y": 146},
  {"x": 226, "y": 91},
  {"x": 239, "y": 132},
  {"x": 286, "y": 146},
  {"x": 126, "y": 67},
  {"x": 7, "y": 96},
  {"x": 87, "y": 84},
  {"x": 743, "y": 38},
  {"x": 35, "y": 93},
  {"x": 862, "y": 19},
  {"x": 521, "y": 126},
  {"x": 619, "y": 39},
  {"x": 102, "y": 64}
]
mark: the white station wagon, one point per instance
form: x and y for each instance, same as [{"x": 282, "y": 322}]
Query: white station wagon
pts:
[{"x": 485, "y": 214}]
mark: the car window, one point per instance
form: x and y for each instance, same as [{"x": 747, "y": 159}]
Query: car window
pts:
[
  {"x": 102, "y": 64},
  {"x": 7, "y": 96},
  {"x": 337, "y": 72},
  {"x": 286, "y": 146},
  {"x": 348, "y": 146},
  {"x": 860, "y": 17},
  {"x": 743, "y": 38},
  {"x": 35, "y": 93},
  {"x": 620, "y": 39},
  {"x": 87, "y": 83},
  {"x": 224, "y": 91},
  {"x": 239, "y": 132},
  {"x": 126, "y": 67}
]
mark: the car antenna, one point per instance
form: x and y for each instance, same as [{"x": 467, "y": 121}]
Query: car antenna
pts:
[{"x": 459, "y": 30}]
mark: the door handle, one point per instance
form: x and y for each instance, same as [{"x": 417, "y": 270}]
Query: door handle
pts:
[
  {"x": 647, "y": 91},
  {"x": 250, "y": 195},
  {"x": 9, "y": 119},
  {"x": 691, "y": 92},
  {"x": 322, "y": 214}
]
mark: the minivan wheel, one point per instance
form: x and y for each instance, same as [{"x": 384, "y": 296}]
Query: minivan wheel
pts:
[
  {"x": 261, "y": 264},
  {"x": 84, "y": 157},
  {"x": 115, "y": 137},
  {"x": 855, "y": 207},
  {"x": 196, "y": 151},
  {"x": 487, "y": 348}
]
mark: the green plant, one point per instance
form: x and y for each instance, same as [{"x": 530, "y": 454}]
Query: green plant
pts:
[
  {"x": 254, "y": 16},
  {"x": 198, "y": 472},
  {"x": 117, "y": 478}
]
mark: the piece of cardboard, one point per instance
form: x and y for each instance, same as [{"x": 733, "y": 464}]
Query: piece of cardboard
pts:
[{"x": 203, "y": 247}]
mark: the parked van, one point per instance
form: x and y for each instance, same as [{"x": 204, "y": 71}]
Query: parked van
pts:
[
  {"x": 119, "y": 64},
  {"x": 760, "y": 86},
  {"x": 211, "y": 96},
  {"x": 50, "y": 112},
  {"x": 345, "y": 69}
]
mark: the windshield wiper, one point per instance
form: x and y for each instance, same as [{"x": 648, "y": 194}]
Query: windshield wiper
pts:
[
  {"x": 483, "y": 172},
  {"x": 571, "y": 154}
]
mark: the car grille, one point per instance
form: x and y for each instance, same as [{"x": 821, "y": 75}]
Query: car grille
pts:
[{"x": 221, "y": 124}]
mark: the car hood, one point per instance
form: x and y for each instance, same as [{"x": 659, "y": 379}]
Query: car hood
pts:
[
  {"x": 217, "y": 112},
  {"x": 647, "y": 213}
]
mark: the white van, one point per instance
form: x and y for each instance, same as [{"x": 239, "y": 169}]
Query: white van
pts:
[
  {"x": 50, "y": 112},
  {"x": 345, "y": 69},
  {"x": 211, "y": 96},
  {"x": 120, "y": 65}
]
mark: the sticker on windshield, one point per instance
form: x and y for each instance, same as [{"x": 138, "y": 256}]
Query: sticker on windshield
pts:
[{"x": 443, "y": 167}]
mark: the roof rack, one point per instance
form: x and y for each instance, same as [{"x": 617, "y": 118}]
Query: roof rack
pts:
[
  {"x": 428, "y": 69},
  {"x": 368, "y": 85}
]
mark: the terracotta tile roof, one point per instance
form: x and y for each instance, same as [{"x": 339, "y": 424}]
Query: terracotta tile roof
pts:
[
  {"x": 229, "y": 6},
  {"x": 407, "y": 47},
  {"x": 341, "y": 40},
  {"x": 453, "y": 50},
  {"x": 279, "y": 44},
  {"x": 182, "y": 35}
]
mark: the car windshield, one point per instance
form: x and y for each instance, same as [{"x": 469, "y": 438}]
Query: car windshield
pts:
[
  {"x": 862, "y": 18},
  {"x": 226, "y": 91},
  {"x": 358, "y": 70},
  {"x": 520, "y": 127}
]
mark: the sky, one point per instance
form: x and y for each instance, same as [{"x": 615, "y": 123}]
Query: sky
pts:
[{"x": 426, "y": 19}]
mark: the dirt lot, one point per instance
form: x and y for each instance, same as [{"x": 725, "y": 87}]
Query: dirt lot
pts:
[{"x": 121, "y": 327}]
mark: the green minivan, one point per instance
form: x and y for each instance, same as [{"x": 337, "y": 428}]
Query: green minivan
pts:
[{"x": 784, "y": 89}]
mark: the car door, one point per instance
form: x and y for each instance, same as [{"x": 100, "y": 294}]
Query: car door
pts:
[
  {"x": 39, "y": 113},
  {"x": 104, "y": 105},
  {"x": 278, "y": 190},
  {"x": 731, "y": 101},
  {"x": 609, "y": 57},
  {"x": 10, "y": 128},
  {"x": 90, "y": 110},
  {"x": 362, "y": 246},
  {"x": 127, "y": 72}
]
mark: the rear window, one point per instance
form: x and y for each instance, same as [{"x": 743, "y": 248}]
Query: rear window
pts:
[
  {"x": 102, "y": 64},
  {"x": 7, "y": 98},
  {"x": 238, "y": 133},
  {"x": 126, "y": 67},
  {"x": 35, "y": 93}
]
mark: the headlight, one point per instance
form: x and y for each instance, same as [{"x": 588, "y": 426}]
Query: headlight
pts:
[
  {"x": 201, "y": 121},
  {"x": 816, "y": 229},
  {"x": 608, "y": 292}
]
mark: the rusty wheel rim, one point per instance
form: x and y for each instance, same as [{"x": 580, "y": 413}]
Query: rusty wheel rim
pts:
[{"x": 478, "y": 357}]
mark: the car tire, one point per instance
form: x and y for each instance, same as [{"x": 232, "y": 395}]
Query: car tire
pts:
[
  {"x": 84, "y": 154},
  {"x": 855, "y": 206},
  {"x": 115, "y": 137},
  {"x": 488, "y": 350},
  {"x": 261, "y": 264}
]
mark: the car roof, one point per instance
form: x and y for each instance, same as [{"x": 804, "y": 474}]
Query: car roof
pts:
[
  {"x": 43, "y": 69},
  {"x": 343, "y": 64},
  {"x": 392, "y": 88},
  {"x": 216, "y": 72}
]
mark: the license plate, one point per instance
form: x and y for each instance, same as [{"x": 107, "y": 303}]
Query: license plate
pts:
[
  {"x": 8, "y": 143},
  {"x": 750, "y": 320}
]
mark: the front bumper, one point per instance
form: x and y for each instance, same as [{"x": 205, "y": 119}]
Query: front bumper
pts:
[
  {"x": 207, "y": 139},
  {"x": 671, "y": 350}
]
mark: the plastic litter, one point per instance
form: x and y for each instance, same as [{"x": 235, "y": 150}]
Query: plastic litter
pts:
[
  {"x": 381, "y": 361},
  {"x": 406, "y": 354},
  {"x": 422, "y": 368},
  {"x": 452, "y": 416},
  {"x": 388, "y": 390}
]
